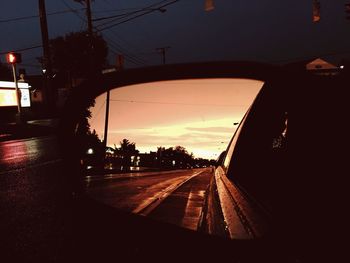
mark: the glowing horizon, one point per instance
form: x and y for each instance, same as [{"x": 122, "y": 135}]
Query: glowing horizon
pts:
[{"x": 196, "y": 114}]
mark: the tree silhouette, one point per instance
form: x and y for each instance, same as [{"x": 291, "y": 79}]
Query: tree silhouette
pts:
[
  {"x": 126, "y": 150},
  {"x": 72, "y": 54},
  {"x": 175, "y": 157}
]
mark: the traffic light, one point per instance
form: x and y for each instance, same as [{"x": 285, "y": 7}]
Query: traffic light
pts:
[
  {"x": 316, "y": 11},
  {"x": 347, "y": 10},
  {"x": 209, "y": 5},
  {"x": 13, "y": 58}
]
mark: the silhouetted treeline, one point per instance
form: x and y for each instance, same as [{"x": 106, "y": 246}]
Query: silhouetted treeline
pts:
[{"x": 126, "y": 157}]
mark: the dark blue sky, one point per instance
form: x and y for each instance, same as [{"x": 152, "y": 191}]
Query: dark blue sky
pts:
[{"x": 261, "y": 30}]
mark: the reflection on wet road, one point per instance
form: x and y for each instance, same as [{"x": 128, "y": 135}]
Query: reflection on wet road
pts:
[
  {"x": 172, "y": 196},
  {"x": 33, "y": 198},
  {"x": 28, "y": 152}
]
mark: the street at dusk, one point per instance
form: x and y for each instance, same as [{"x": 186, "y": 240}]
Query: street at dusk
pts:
[
  {"x": 174, "y": 130},
  {"x": 173, "y": 196}
]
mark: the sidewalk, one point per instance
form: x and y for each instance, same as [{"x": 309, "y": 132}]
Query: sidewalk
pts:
[{"x": 33, "y": 128}]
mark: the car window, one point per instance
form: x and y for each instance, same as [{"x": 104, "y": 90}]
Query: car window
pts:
[
  {"x": 232, "y": 144},
  {"x": 257, "y": 151}
]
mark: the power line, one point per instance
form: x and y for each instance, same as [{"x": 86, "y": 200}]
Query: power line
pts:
[
  {"x": 117, "y": 10},
  {"x": 21, "y": 49},
  {"x": 120, "y": 48},
  {"x": 109, "y": 17},
  {"x": 134, "y": 17},
  {"x": 115, "y": 51},
  {"x": 152, "y": 6},
  {"x": 127, "y": 54},
  {"x": 177, "y": 103},
  {"x": 71, "y": 9},
  {"x": 127, "y": 14},
  {"x": 133, "y": 59},
  {"x": 127, "y": 43},
  {"x": 35, "y": 16}
]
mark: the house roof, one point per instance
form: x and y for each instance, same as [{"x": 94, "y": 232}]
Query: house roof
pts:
[{"x": 320, "y": 64}]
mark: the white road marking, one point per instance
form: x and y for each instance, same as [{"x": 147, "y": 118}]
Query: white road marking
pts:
[{"x": 150, "y": 204}]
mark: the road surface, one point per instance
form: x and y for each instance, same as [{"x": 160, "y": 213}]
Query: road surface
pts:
[
  {"x": 36, "y": 216},
  {"x": 33, "y": 198},
  {"x": 175, "y": 197}
]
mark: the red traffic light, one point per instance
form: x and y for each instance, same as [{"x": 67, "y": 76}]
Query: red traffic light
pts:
[{"x": 13, "y": 58}]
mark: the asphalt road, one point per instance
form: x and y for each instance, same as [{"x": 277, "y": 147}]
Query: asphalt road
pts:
[
  {"x": 175, "y": 197},
  {"x": 33, "y": 200},
  {"x": 41, "y": 222}
]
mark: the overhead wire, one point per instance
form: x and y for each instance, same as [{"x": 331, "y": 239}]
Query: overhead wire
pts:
[
  {"x": 117, "y": 10},
  {"x": 133, "y": 12},
  {"x": 133, "y": 17},
  {"x": 21, "y": 49},
  {"x": 35, "y": 16},
  {"x": 119, "y": 48},
  {"x": 150, "y": 10},
  {"x": 113, "y": 47},
  {"x": 176, "y": 103}
]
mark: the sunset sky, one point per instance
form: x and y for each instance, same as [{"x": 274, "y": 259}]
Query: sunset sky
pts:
[{"x": 196, "y": 114}]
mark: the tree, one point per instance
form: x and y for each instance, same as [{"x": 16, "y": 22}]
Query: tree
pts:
[
  {"x": 71, "y": 60},
  {"x": 175, "y": 157},
  {"x": 72, "y": 54},
  {"x": 126, "y": 150},
  {"x": 84, "y": 126}
]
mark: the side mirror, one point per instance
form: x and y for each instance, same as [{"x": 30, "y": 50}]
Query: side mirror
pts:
[{"x": 145, "y": 142}]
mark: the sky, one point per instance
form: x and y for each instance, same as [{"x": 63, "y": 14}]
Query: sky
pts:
[
  {"x": 259, "y": 30},
  {"x": 268, "y": 31},
  {"x": 196, "y": 114}
]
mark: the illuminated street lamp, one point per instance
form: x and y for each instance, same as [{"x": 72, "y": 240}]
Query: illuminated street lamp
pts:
[{"x": 13, "y": 59}]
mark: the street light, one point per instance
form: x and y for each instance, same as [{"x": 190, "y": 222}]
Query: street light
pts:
[{"x": 14, "y": 58}]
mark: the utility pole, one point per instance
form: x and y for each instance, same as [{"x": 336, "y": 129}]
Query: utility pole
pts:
[
  {"x": 88, "y": 16},
  {"x": 90, "y": 35},
  {"x": 162, "y": 50},
  {"x": 48, "y": 89},
  {"x": 18, "y": 93},
  {"x": 106, "y": 121},
  {"x": 13, "y": 59}
]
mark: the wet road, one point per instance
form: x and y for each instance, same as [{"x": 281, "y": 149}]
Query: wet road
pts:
[
  {"x": 33, "y": 196},
  {"x": 19, "y": 154},
  {"x": 175, "y": 197},
  {"x": 35, "y": 200}
]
